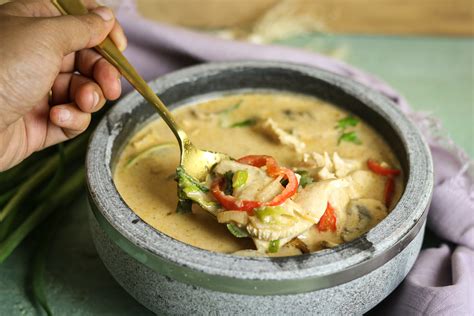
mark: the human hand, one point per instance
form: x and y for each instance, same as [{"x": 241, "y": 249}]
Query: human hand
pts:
[{"x": 51, "y": 79}]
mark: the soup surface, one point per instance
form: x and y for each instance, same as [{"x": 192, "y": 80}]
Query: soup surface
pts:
[{"x": 348, "y": 177}]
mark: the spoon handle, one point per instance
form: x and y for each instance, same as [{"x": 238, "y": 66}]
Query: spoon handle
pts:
[{"x": 113, "y": 55}]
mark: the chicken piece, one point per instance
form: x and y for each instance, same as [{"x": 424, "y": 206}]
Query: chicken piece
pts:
[
  {"x": 361, "y": 216},
  {"x": 238, "y": 217},
  {"x": 284, "y": 222},
  {"x": 263, "y": 234},
  {"x": 314, "y": 198},
  {"x": 300, "y": 214},
  {"x": 270, "y": 128},
  {"x": 342, "y": 167},
  {"x": 327, "y": 167}
]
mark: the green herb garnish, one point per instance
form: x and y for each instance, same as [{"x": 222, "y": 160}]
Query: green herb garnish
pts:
[
  {"x": 230, "y": 108},
  {"x": 245, "y": 123},
  {"x": 189, "y": 181},
  {"x": 274, "y": 246},
  {"x": 350, "y": 137},
  {"x": 305, "y": 178},
  {"x": 237, "y": 231},
  {"x": 190, "y": 190},
  {"x": 347, "y": 122}
]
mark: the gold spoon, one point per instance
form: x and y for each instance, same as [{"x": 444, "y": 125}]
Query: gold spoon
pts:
[{"x": 195, "y": 162}]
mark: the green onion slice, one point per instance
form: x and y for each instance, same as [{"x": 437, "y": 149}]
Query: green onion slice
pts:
[
  {"x": 240, "y": 178},
  {"x": 274, "y": 246},
  {"x": 237, "y": 231}
]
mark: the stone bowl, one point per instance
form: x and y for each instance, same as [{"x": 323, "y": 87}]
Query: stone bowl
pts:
[{"x": 168, "y": 276}]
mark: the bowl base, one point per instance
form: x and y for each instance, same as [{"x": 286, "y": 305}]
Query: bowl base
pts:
[{"x": 162, "y": 294}]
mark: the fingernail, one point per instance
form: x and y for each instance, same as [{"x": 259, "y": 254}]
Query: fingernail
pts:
[
  {"x": 95, "y": 99},
  {"x": 104, "y": 12},
  {"x": 64, "y": 115}
]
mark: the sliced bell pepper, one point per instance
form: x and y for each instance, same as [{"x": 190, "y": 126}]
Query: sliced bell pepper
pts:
[
  {"x": 328, "y": 220},
  {"x": 379, "y": 169},
  {"x": 261, "y": 161},
  {"x": 231, "y": 203},
  {"x": 389, "y": 190}
]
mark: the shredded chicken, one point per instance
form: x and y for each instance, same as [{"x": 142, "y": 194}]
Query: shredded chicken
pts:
[
  {"x": 327, "y": 167},
  {"x": 271, "y": 129}
]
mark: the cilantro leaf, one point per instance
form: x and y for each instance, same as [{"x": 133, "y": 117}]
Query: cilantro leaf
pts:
[
  {"x": 230, "y": 108},
  {"x": 350, "y": 137},
  {"x": 305, "y": 178},
  {"x": 346, "y": 122},
  {"x": 248, "y": 122}
]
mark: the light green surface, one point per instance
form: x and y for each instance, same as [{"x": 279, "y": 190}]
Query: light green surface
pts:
[{"x": 435, "y": 74}]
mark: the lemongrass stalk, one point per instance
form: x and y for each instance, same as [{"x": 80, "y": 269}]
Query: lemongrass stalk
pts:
[
  {"x": 15, "y": 218},
  {"x": 51, "y": 187},
  {"x": 72, "y": 150},
  {"x": 63, "y": 195},
  {"x": 47, "y": 231},
  {"x": 5, "y": 197}
]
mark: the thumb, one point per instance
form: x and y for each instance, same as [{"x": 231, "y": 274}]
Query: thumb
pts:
[{"x": 76, "y": 32}]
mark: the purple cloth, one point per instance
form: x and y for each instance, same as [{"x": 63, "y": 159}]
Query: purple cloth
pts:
[{"x": 442, "y": 280}]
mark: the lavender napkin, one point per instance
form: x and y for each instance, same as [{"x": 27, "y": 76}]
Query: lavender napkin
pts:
[{"x": 442, "y": 280}]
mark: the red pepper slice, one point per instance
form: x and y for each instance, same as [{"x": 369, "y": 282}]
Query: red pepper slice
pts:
[
  {"x": 378, "y": 169},
  {"x": 231, "y": 203},
  {"x": 260, "y": 161},
  {"x": 389, "y": 190},
  {"x": 289, "y": 190},
  {"x": 328, "y": 220}
]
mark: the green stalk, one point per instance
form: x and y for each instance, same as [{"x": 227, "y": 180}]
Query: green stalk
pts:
[
  {"x": 46, "y": 233},
  {"x": 63, "y": 195},
  {"x": 5, "y": 197},
  {"x": 17, "y": 217},
  {"x": 72, "y": 150},
  {"x": 58, "y": 175},
  {"x": 12, "y": 177}
]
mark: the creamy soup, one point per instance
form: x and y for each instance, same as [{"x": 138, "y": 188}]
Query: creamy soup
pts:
[{"x": 336, "y": 177}]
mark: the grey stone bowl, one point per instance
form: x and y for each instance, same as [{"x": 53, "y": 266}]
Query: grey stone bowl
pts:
[{"x": 168, "y": 276}]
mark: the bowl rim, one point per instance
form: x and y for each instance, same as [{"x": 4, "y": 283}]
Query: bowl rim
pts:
[{"x": 261, "y": 276}]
